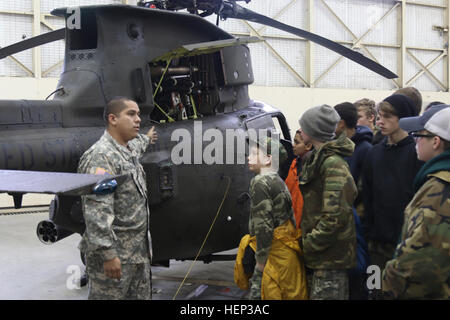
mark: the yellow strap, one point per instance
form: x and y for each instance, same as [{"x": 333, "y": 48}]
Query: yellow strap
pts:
[
  {"x": 162, "y": 77},
  {"x": 161, "y": 109},
  {"x": 206, "y": 238},
  {"x": 193, "y": 106}
]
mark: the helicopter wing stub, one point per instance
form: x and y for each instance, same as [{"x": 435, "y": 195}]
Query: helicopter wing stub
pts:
[
  {"x": 61, "y": 183},
  {"x": 232, "y": 10},
  {"x": 205, "y": 48},
  {"x": 32, "y": 42}
]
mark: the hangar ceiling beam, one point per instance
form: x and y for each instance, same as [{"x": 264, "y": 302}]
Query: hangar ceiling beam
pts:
[{"x": 424, "y": 4}]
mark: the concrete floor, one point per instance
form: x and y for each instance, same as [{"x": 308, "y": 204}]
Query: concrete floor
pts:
[{"x": 34, "y": 271}]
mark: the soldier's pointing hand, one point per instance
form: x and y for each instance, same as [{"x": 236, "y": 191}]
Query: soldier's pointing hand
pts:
[{"x": 152, "y": 135}]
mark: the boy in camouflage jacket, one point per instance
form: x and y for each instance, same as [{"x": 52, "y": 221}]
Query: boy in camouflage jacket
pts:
[
  {"x": 421, "y": 265},
  {"x": 328, "y": 226},
  {"x": 270, "y": 207}
]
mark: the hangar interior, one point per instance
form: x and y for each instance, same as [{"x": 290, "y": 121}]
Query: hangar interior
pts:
[{"x": 409, "y": 37}]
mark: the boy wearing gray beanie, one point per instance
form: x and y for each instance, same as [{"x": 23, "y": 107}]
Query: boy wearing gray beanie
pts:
[
  {"x": 328, "y": 226},
  {"x": 320, "y": 122}
]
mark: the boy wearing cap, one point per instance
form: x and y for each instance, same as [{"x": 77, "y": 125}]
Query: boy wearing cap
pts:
[
  {"x": 388, "y": 174},
  {"x": 421, "y": 266},
  {"x": 278, "y": 273},
  {"x": 328, "y": 226}
]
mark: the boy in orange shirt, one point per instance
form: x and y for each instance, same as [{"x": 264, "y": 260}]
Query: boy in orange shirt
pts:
[{"x": 300, "y": 149}]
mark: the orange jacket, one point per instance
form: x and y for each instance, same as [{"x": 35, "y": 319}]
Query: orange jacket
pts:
[{"x": 296, "y": 195}]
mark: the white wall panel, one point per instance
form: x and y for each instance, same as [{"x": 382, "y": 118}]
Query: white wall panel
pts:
[
  {"x": 425, "y": 82},
  {"x": 52, "y": 53},
  {"x": 326, "y": 25},
  {"x": 419, "y": 24},
  {"x": 358, "y": 15},
  {"x": 270, "y": 71},
  {"x": 348, "y": 74},
  {"x": 22, "y": 5},
  {"x": 15, "y": 28}
]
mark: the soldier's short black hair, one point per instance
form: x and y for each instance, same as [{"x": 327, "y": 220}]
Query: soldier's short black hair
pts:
[
  {"x": 115, "y": 106},
  {"x": 348, "y": 112}
]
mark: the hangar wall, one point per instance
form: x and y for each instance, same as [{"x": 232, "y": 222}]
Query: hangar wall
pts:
[{"x": 409, "y": 37}]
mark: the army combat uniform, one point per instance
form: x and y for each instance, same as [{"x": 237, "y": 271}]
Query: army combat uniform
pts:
[
  {"x": 328, "y": 226},
  {"x": 270, "y": 207},
  {"x": 117, "y": 225},
  {"x": 421, "y": 265}
]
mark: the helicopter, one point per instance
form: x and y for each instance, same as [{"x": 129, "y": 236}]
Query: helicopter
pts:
[{"x": 185, "y": 73}]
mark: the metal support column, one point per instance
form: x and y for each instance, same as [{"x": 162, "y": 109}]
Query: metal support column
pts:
[{"x": 37, "y": 66}]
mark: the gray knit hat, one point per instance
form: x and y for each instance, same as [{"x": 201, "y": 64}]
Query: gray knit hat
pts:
[{"x": 320, "y": 122}]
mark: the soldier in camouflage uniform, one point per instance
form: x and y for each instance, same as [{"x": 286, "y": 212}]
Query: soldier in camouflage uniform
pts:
[
  {"x": 328, "y": 226},
  {"x": 117, "y": 241},
  {"x": 421, "y": 265},
  {"x": 270, "y": 206}
]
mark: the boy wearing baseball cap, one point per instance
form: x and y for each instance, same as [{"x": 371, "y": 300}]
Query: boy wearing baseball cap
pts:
[
  {"x": 278, "y": 272},
  {"x": 421, "y": 265}
]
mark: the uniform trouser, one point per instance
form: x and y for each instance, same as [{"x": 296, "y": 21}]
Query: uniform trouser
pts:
[
  {"x": 135, "y": 284},
  {"x": 328, "y": 285}
]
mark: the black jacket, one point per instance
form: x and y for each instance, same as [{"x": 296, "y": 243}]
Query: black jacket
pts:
[
  {"x": 388, "y": 176},
  {"x": 363, "y": 143}
]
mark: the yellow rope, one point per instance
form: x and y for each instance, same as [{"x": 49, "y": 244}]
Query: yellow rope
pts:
[{"x": 206, "y": 238}]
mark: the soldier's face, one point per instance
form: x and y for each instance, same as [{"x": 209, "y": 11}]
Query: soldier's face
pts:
[
  {"x": 128, "y": 122},
  {"x": 257, "y": 159}
]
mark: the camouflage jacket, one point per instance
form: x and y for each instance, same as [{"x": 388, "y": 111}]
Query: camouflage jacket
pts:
[
  {"x": 328, "y": 226},
  {"x": 421, "y": 266},
  {"x": 270, "y": 207},
  {"x": 117, "y": 224}
]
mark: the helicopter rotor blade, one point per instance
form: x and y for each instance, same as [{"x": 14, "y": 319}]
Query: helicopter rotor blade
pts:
[
  {"x": 233, "y": 10},
  {"x": 32, "y": 42}
]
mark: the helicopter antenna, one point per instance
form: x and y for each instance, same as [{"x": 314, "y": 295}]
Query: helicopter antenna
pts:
[{"x": 61, "y": 88}]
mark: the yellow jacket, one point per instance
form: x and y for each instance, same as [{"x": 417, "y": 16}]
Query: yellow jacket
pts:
[{"x": 284, "y": 276}]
